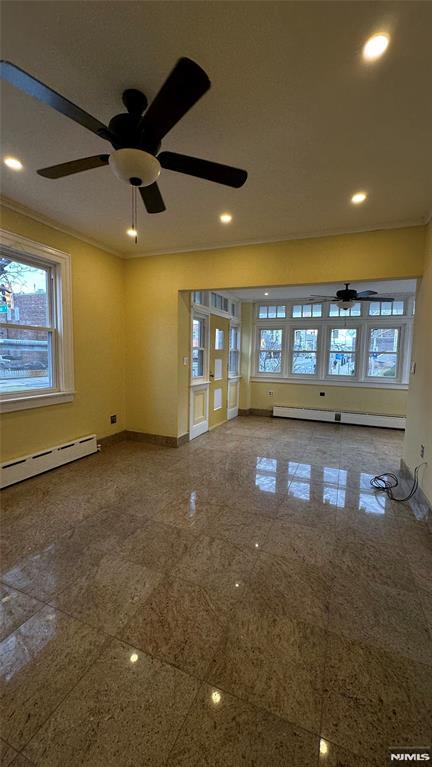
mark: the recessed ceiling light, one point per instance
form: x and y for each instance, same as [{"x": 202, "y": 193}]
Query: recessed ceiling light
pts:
[
  {"x": 266, "y": 293},
  {"x": 375, "y": 47},
  {"x": 225, "y": 218},
  {"x": 358, "y": 198},
  {"x": 13, "y": 163},
  {"x": 131, "y": 232}
]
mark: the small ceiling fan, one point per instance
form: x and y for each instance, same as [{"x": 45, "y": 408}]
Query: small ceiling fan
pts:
[
  {"x": 346, "y": 297},
  {"x": 136, "y": 135}
]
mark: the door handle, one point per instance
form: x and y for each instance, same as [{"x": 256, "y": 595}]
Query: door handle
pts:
[{"x": 211, "y": 375}]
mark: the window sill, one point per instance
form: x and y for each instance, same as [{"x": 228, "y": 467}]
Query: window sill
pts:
[
  {"x": 35, "y": 400},
  {"x": 323, "y": 382},
  {"x": 200, "y": 382}
]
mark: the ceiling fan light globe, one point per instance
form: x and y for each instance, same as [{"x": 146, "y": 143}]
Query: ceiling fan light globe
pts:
[
  {"x": 346, "y": 305},
  {"x": 132, "y": 165}
]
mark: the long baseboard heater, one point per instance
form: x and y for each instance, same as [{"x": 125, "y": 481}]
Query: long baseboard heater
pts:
[
  {"x": 18, "y": 469},
  {"x": 332, "y": 416}
]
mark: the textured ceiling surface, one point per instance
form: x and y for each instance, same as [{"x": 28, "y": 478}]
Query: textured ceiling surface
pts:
[{"x": 291, "y": 101}]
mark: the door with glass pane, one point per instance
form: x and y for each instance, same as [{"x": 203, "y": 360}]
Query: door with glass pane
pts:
[{"x": 219, "y": 344}]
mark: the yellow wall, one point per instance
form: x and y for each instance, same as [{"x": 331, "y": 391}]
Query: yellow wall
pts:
[
  {"x": 98, "y": 327},
  {"x": 419, "y": 411},
  {"x": 153, "y": 283},
  {"x": 129, "y": 317},
  {"x": 360, "y": 399}
]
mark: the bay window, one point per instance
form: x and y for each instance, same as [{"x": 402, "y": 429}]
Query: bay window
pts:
[{"x": 357, "y": 347}]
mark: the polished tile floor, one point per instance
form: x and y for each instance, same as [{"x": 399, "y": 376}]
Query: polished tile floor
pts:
[{"x": 244, "y": 600}]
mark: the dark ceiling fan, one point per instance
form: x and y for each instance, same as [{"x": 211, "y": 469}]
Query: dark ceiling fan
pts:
[
  {"x": 136, "y": 135},
  {"x": 347, "y": 296}
]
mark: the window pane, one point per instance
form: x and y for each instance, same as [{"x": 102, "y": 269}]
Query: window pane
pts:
[
  {"x": 334, "y": 310},
  {"x": 262, "y": 312},
  {"x": 197, "y": 363},
  {"x": 343, "y": 339},
  {"x": 341, "y": 364},
  {"x": 297, "y": 311},
  {"x": 374, "y": 308},
  {"x": 270, "y": 362},
  {"x": 271, "y": 339},
  {"x": 281, "y": 311},
  {"x": 307, "y": 310},
  {"x": 271, "y": 312},
  {"x": 382, "y": 365},
  {"x": 355, "y": 310},
  {"x": 23, "y": 293},
  {"x": 384, "y": 340},
  {"x": 305, "y": 339},
  {"x": 197, "y": 333},
  {"x": 398, "y": 307},
  {"x": 25, "y": 360},
  {"x": 197, "y": 297},
  {"x": 342, "y": 348},
  {"x": 304, "y": 363},
  {"x": 234, "y": 362},
  {"x": 234, "y": 338},
  {"x": 219, "y": 339},
  {"x": 316, "y": 310}
]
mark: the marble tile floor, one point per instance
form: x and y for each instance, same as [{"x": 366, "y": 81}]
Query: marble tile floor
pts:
[{"x": 246, "y": 599}]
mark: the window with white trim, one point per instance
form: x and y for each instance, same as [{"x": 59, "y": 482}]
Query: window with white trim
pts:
[
  {"x": 342, "y": 352},
  {"x": 383, "y": 352},
  {"x": 386, "y": 308},
  {"x": 36, "y": 365},
  {"x": 306, "y": 311},
  {"x": 304, "y": 351},
  {"x": 234, "y": 351},
  {"x": 270, "y": 312},
  {"x": 199, "y": 346},
  {"x": 270, "y": 350}
]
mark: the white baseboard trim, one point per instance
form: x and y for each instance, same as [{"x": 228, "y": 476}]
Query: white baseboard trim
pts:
[
  {"x": 17, "y": 469},
  {"x": 332, "y": 416}
]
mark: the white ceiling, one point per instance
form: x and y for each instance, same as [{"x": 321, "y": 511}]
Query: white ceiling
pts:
[
  {"x": 291, "y": 101},
  {"x": 290, "y": 292}
]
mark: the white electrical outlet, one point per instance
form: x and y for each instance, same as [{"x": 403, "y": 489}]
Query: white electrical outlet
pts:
[{"x": 185, "y": 361}]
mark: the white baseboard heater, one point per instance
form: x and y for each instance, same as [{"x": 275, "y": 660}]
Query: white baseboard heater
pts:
[
  {"x": 361, "y": 419},
  {"x": 18, "y": 469}
]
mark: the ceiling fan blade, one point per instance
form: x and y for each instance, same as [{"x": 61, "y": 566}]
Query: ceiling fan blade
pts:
[
  {"x": 152, "y": 198},
  {"x": 365, "y": 293},
  {"x": 33, "y": 87},
  {"x": 75, "y": 166},
  {"x": 180, "y": 91},
  {"x": 329, "y": 298},
  {"x": 377, "y": 298},
  {"x": 211, "y": 171}
]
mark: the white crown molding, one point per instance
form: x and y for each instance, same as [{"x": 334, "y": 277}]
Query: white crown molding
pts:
[
  {"x": 29, "y": 213},
  {"x": 19, "y": 208},
  {"x": 287, "y": 238}
]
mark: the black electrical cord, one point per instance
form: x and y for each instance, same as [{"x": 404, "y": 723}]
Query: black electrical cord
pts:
[{"x": 388, "y": 481}]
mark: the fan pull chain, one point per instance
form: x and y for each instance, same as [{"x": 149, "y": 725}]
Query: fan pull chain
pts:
[{"x": 134, "y": 212}]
